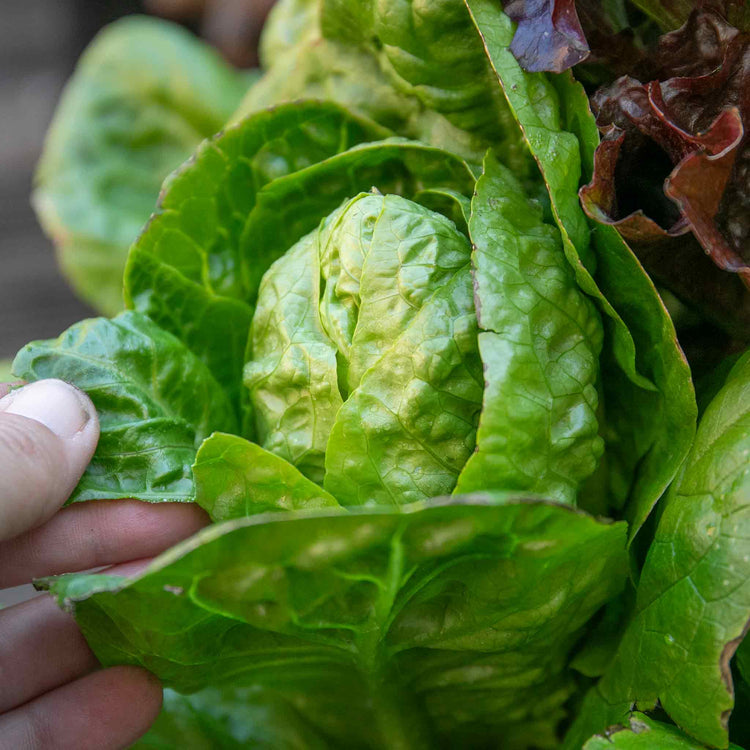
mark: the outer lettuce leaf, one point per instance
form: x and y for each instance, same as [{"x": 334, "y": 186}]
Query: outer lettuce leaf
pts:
[
  {"x": 144, "y": 95},
  {"x": 693, "y": 603},
  {"x": 292, "y": 374},
  {"x": 437, "y": 624},
  {"x": 649, "y": 401},
  {"x": 155, "y": 399},
  {"x": 329, "y": 70},
  {"x": 185, "y": 270},
  {"x": 643, "y": 733},
  {"x": 229, "y": 719},
  {"x": 235, "y": 478},
  {"x": 540, "y": 343}
]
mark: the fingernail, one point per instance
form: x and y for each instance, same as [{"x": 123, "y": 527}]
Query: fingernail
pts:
[{"x": 55, "y": 404}]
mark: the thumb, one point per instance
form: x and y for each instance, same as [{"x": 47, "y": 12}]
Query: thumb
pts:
[{"x": 48, "y": 433}]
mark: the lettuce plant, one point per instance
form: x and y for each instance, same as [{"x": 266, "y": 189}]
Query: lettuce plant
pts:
[{"x": 429, "y": 404}]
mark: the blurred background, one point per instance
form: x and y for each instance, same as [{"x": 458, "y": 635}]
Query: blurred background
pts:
[{"x": 40, "y": 42}]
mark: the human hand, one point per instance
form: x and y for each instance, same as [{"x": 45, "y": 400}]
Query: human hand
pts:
[{"x": 53, "y": 693}]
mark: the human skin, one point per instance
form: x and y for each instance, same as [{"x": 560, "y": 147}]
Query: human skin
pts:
[{"x": 53, "y": 693}]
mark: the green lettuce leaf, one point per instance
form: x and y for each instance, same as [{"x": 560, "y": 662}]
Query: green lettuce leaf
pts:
[
  {"x": 343, "y": 52},
  {"x": 437, "y": 623},
  {"x": 156, "y": 403},
  {"x": 693, "y": 601},
  {"x": 540, "y": 343},
  {"x": 143, "y": 96},
  {"x": 364, "y": 366},
  {"x": 230, "y": 719},
  {"x": 415, "y": 44},
  {"x": 407, "y": 429},
  {"x": 649, "y": 402},
  {"x": 293, "y": 205},
  {"x": 186, "y": 270},
  {"x": 644, "y": 733},
  {"x": 235, "y": 478}
]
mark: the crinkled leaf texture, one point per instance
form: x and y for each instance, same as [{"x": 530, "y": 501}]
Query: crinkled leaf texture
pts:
[
  {"x": 649, "y": 404},
  {"x": 156, "y": 403},
  {"x": 387, "y": 61},
  {"x": 644, "y": 733},
  {"x": 540, "y": 342},
  {"x": 693, "y": 603},
  {"x": 437, "y": 625},
  {"x": 364, "y": 370},
  {"x": 187, "y": 270},
  {"x": 244, "y": 200},
  {"x": 144, "y": 95},
  {"x": 235, "y": 478}
]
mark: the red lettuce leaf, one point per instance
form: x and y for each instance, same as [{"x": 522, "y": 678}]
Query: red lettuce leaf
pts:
[
  {"x": 674, "y": 154},
  {"x": 549, "y": 36}
]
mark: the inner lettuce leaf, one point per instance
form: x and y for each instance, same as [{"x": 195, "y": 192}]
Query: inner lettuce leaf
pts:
[
  {"x": 364, "y": 366},
  {"x": 155, "y": 399},
  {"x": 142, "y": 98},
  {"x": 649, "y": 404},
  {"x": 436, "y": 625},
  {"x": 693, "y": 600}
]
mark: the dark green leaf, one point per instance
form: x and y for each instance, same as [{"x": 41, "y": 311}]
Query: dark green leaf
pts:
[
  {"x": 693, "y": 603},
  {"x": 437, "y": 625},
  {"x": 229, "y": 719},
  {"x": 144, "y": 95},
  {"x": 156, "y": 403}
]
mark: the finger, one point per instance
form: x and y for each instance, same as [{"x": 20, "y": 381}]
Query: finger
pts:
[
  {"x": 105, "y": 710},
  {"x": 41, "y": 648},
  {"x": 100, "y": 532},
  {"x": 48, "y": 433}
]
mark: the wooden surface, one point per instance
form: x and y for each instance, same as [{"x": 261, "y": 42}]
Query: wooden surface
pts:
[{"x": 39, "y": 43}]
